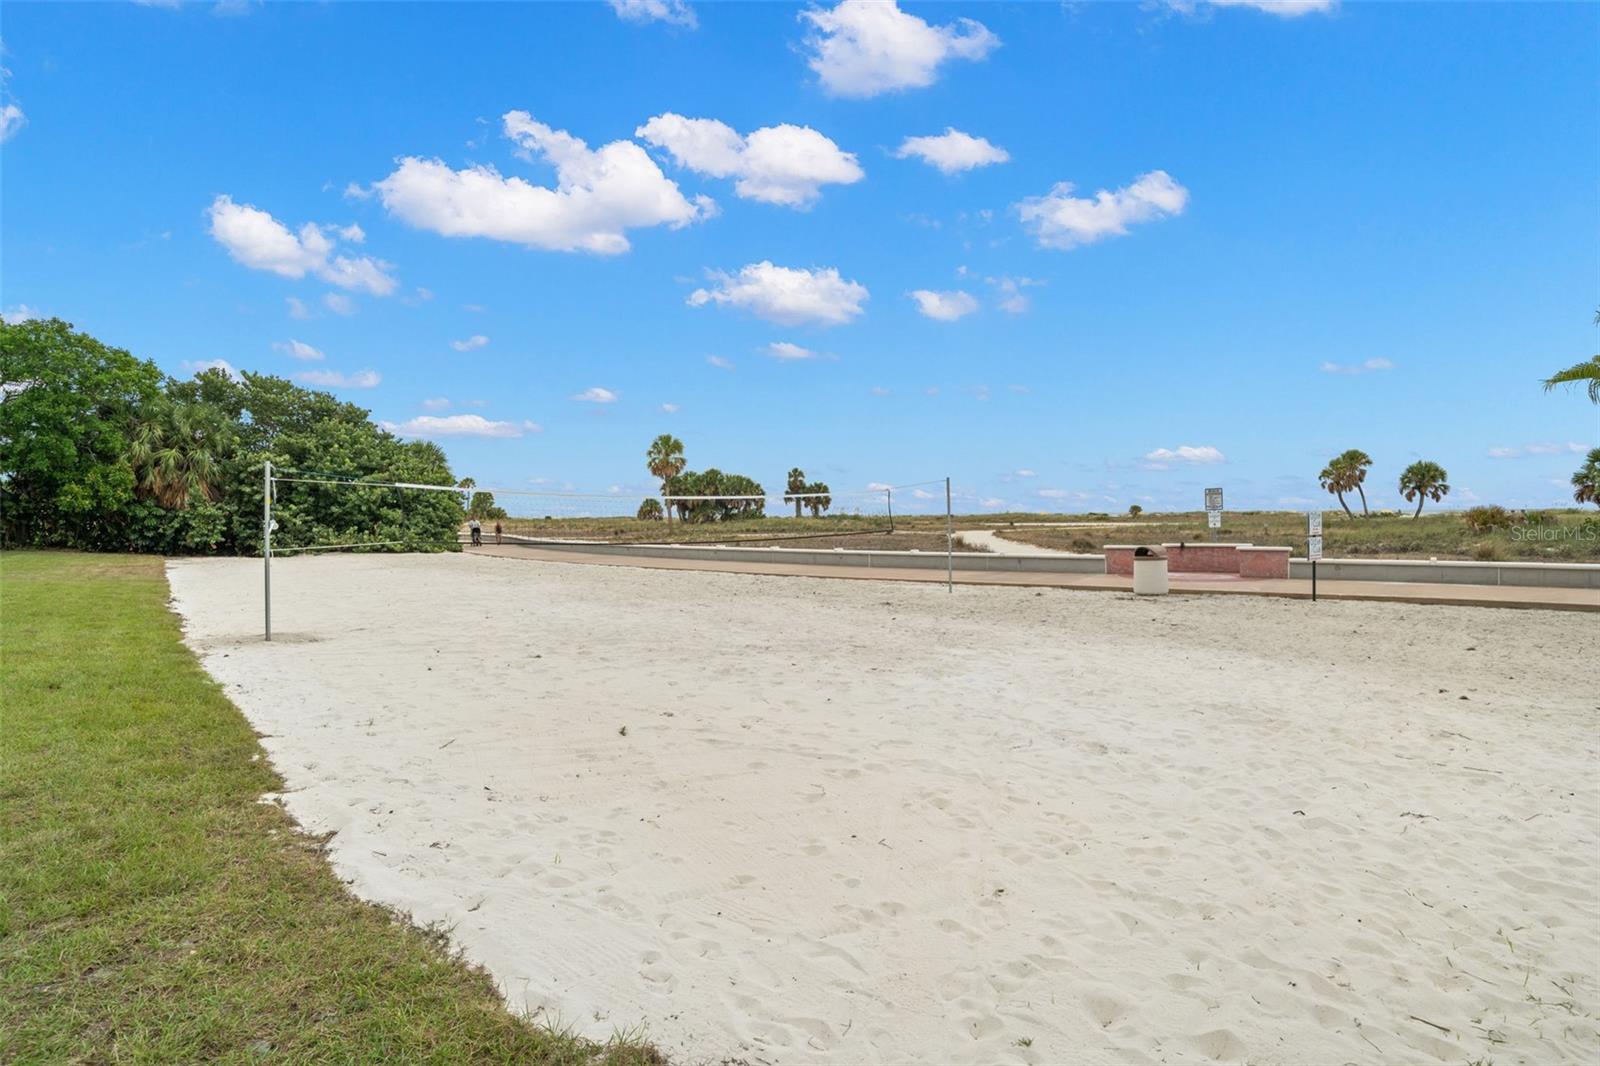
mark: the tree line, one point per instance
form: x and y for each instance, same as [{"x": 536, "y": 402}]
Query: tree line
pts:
[
  {"x": 666, "y": 462},
  {"x": 100, "y": 450}
]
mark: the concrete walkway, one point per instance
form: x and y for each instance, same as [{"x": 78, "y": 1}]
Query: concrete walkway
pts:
[
  {"x": 990, "y": 541},
  {"x": 1208, "y": 584}
]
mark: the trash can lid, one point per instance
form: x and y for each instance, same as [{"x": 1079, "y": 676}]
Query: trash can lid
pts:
[{"x": 1145, "y": 552}]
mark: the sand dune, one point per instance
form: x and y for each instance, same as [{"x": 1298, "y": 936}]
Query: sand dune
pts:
[{"x": 853, "y": 822}]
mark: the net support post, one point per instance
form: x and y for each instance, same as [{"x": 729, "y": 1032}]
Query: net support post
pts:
[
  {"x": 949, "y": 542},
  {"x": 266, "y": 548}
]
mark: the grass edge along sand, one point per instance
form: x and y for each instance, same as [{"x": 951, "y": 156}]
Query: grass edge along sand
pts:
[{"x": 152, "y": 907}]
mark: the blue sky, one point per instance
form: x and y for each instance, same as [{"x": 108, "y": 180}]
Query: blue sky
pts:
[{"x": 1166, "y": 246}]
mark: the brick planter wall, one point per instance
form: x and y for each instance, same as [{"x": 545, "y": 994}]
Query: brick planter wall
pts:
[
  {"x": 1119, "y": 559},
  {"x": 1264, "y": 562},
  {"x": 1203, "y": 558},
  {"x": 1246, "y": 560}
]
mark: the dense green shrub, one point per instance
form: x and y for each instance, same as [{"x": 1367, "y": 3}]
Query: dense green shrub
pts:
[
  {"x": 1486, "y": 518},
  {"x": 74, "y": 408}
]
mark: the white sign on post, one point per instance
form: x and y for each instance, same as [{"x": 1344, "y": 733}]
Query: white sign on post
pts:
[
  {"x": 1214, "y": 519},
  {"x": 1214, "y": 499},
  {"x": 1314, "y": 523},
  {"x": 1314, "y": 547}
]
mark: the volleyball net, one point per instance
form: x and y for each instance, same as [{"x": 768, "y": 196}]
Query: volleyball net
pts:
[{"x": 315, "y": 511}]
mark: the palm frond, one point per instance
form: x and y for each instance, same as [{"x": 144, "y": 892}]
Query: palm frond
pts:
[{"x": 1587, "y": 371}]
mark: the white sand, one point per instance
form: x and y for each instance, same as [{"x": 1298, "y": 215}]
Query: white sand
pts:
[{"x": 863, "y": 822}]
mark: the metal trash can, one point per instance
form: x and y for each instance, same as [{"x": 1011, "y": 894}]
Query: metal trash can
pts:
[{"x": 1150, "y": 571}]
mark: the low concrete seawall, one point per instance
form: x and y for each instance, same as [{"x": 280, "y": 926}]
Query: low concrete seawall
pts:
[
  {"x": 1455, "y": 572},
  {"x": 1040, "y": 564},
  {"x": 1531, "y": 575}
]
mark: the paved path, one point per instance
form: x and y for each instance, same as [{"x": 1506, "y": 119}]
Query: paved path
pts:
[
  {"x": 989, "y": 540},
  {"x": 1293, "y": 588}
]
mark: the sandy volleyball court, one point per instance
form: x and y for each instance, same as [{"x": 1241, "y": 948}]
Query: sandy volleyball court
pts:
[{"x": 862, "y": 822}]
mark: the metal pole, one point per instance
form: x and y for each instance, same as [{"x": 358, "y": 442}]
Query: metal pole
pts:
[
  {"x": 1313, "y": 581},
  {"x": 266, "y": 544},
  {"x": 949, "y": 542},
  {"x": 889, "y": 495}
]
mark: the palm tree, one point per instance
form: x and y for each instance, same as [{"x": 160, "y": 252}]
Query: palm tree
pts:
[
  {"x": 1358, "y": 461},
  {"x": 817, "y": 497},
  {"x": 174, "y": 453},
  {"x": 1586, "y": 482},
  {"x": 797, "y": 483},
  {"x": 665, "y": 460},
  {"x": 1424, "y": 480},
  {"x": 1586, "y": 371},
  {"x": 1338, "y": 478}
]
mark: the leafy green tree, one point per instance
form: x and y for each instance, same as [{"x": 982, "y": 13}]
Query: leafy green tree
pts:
[
  {"x": 484, "y": 509},
  {"x": 1424, "y": 480},
  {"x": 796, "y": 484},
  {"x": 66, "y": 404},
  {"x": 314, "y": 436},
  {"x": 1586, "y": 482},
  {"x": 665, "y": 460},
  {"x": 1346, "y": 473},
  {"x": 1134, "y": 511},
  {"x": 649, "y": 510}
]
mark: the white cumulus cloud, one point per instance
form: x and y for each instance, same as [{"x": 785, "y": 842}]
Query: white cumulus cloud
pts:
[
  {"x": 675, "y": 12},
  {"x": 867, "y": 47},
  {"x": 436, "y": 403},
  {"x": 299, "y": 350},
  {"x": 596, "y": 395},
  {"x": 788, "y": 352},
  {"x": 200, "y": 366},
  {"x": 1197, "y": 455},
  {"x": 339, "y": 303},
  {"x": 599, "y": 194},
  {"x": 1356, "y": 368},
  {"x": 944, "y": 306},
  {"x": 784, "y": 164},
  {"x": 1060, "y": 220},
  {"x": 1010, "y": 297},
  {"x": 669, "y": 408},
  {"x": 11, "y": 120},
  {"x": 19, "y": 314},
  {"x": 477, "y": 340},
  {"x": 953, "y": 151},
  {"x": 334, "y": 379},
  {"x": 788, "y": 296},
  {"x": 459, "y": 426},
  {"x": 1288, "y": 9},
  {"x": 719, "y": 362},
  {"x": 257, "y": 240},
  {"x": 1571, "y": 447}
]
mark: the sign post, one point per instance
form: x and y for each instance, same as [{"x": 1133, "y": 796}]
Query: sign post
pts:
[
  {"x": 1213, "y": 512},
  {"x": 1314, "y": 547}
]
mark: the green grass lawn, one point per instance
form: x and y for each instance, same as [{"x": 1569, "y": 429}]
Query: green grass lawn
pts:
[{"x": 152, "y": 909}]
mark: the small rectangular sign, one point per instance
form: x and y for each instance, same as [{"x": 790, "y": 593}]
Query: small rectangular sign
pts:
[
  {"x": 1314, "y": 547},
  {"x": 1314, "y": 523},
  {"x": 1214, "y": 519},
  {"x": 1213, "y": 499}
]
